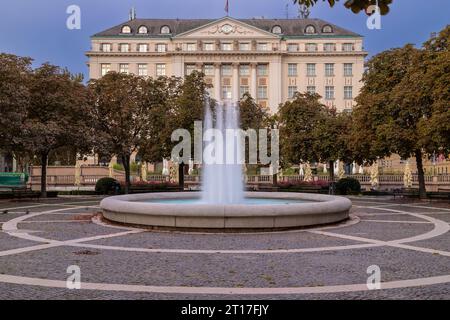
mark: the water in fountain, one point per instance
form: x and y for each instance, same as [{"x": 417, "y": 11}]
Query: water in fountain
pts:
[{"x": 223, "y": 179}]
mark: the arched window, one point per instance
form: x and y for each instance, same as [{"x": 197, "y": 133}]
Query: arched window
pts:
[
  {"x": 277, "y": 30},
  {"x": 310, "y": 29},
  {"x": 165, "y": 30},
  {"x": 126, "y": 29},
  {"x": 142, "y": 30},
  {"x": 327, "y": 29}
]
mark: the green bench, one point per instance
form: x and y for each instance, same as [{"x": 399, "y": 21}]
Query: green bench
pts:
[{"x": 15, "y": 185}]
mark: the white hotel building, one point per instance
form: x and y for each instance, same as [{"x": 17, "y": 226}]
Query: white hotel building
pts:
[{"x": 269, "y": 58}]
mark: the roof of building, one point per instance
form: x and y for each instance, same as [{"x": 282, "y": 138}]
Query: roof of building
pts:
[{"x": 290, "y": 27}]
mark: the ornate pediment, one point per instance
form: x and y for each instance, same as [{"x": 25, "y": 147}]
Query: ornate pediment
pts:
[{"x": 227, "y": 27}]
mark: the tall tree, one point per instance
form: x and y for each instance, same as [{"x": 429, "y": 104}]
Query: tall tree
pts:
[
  {"x": 56, "y": 116},
  {"x": 401, "y": 106},
  {"x": 189, "y": 107},
  {"x": 297, "y": 120},
  {"x": 15, "y": 76},
  {"x": 120, "y": 116}
]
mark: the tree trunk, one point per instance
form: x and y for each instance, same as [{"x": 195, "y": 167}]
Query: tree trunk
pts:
[
  {"x": 181, "y": 176},
  {"x": 421, "y": 174},
  {"x": 126, "y": 166},
  {"x": 331, "y": 175},
  {"x": 44, "y": 159}
]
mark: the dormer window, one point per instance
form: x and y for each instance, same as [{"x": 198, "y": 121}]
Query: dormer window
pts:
[
  {"x": 310, "y": 29},
  {"x": 142, "y": 30},
  {"x": 277, "y": 30},
  {"x": 126, "y": 29},
  {"x": 327, "y": 29},
  {"x": 165, "y": 30}
]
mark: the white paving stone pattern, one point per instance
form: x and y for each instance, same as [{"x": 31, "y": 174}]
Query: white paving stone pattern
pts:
[{"x": 409, "y": 241}]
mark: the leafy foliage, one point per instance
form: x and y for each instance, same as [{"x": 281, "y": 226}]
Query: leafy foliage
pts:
[
  {"x": 348, "y": 186},
  {"x": 355, "y": 5}
]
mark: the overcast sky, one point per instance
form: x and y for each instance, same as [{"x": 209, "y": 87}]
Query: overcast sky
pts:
[{"x": 37, "y": 28}]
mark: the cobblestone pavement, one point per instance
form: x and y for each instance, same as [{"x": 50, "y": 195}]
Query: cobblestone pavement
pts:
[{"x": 408, "y": 241}]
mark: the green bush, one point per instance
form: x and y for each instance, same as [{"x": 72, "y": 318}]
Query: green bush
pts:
[
  {"x": 348, "y": 186},
  {"x": 118, "y": 167},
  {"x": 106, "y": 186}
]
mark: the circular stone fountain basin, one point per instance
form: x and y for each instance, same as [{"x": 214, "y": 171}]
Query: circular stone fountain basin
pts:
[{"x": 260, "y": 210}]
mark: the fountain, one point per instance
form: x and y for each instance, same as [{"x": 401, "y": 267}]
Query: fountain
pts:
[{"x": 223, "y": 205}]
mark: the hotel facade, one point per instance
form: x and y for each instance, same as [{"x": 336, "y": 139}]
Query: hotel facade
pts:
[{"x": 271, "y": 59}]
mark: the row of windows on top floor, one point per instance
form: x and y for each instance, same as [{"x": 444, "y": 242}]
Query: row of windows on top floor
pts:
[
  {"x": 227, "y": 70},
  {"x": 229, "y": 46},
  {"x": 276, "y": 29}
]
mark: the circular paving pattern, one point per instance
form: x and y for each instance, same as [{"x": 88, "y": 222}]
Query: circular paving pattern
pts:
[{"x": 409, "y": 242}]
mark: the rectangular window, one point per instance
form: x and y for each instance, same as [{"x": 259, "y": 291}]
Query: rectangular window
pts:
[
  {"x": 208, "y": 69},
  {"x": 311, "y": 69},
  {"x": 161, "y": 47},
  {"x": 348, "y": 69},
  {"x": 124, "y": 47},
  {"x": 226, "y": 92},
  {"x": 106, "y": 47},
  {"x": 191, "y": 46},
  {"x": 262, "y": 69},
  {"x": 244, "y": 46},
  {"x": 227, "y": 70},
  {"x": 348, "y": 47},
  {"x": 329, "y": 69},
  {"x": 160, "y": 69},
  {"x": 348, "y": 92},
  {"x": 329, "y": 47},
  {"x": 329, "y": 92},
  {"x": 262, "y": 47},
  {"x": 243, "y": 90},
  {"x": 106, "y": 67},
  {"x": 190, "y": 68},
  {"x": 123, "y": 68},
  {"x": 292, "y": 69},
  {"x": 142, "y": 69},
  {"x": 244, "y": 70},
  {"x": 143, "y": 47},
  {"x": 262, "y": 92},
  {"x": 209, "y": 46},
  {"x": 227, "y": 46},
  {"x": 311, "y": 47},
  {"x": 292, "y": 47},
  {"x": 311, "y": 89},
  {"x": 292, "y": 90}
]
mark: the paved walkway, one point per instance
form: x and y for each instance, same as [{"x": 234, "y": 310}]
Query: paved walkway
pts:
[{"x": 408, "y": 241}]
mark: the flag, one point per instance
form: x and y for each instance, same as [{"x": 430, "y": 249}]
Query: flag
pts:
[{"x": 227, "y": 7}]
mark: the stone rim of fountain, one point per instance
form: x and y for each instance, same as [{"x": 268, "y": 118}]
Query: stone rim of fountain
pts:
[{"x": 323, "y": 209}]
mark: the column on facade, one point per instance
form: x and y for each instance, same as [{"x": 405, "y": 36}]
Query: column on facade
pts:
[
  {"x": 217, "y": 82},
  {"x": 275, "y": 83},
  {"x": 235, "y": 82},
  {"x": 199, "y": 66},
  {"x": 253, "y": 84}
]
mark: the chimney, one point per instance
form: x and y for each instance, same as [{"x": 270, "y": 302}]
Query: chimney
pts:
[{"x": 132, "y": 13}]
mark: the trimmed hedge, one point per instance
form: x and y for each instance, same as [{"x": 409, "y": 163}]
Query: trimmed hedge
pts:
[
  {"x": 107, "y": 186},
  {"x": 348, "y": 186}
]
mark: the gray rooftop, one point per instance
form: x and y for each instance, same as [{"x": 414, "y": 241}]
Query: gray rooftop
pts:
[{"x": 290, "y": 27}]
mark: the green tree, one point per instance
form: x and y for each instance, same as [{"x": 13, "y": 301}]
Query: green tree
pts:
[
  {"x": 331, "y": 138},
  {"x": 15, "y": 76},
  {"x": 297, "y": 120},
  {"x": 189, "y": 107},
  {"x": 403, "y": 104},
  {"x": 121, "y": 116},
  {"x": 55, "y": 117},
  {"x": 252, "y": 115},
  {"x": 355, "y": 5}
]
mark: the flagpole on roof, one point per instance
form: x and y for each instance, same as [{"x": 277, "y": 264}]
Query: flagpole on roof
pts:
[{"x": 227, "y": 8}]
